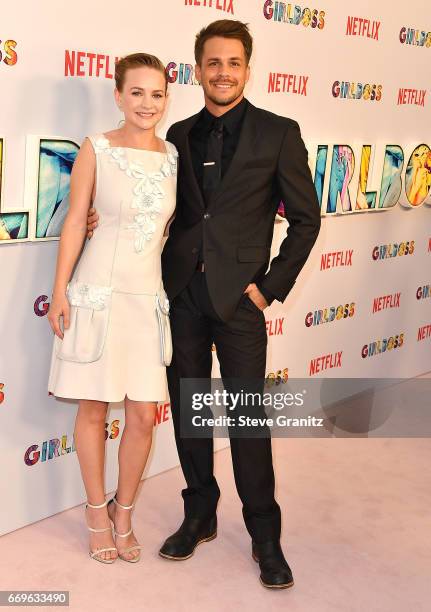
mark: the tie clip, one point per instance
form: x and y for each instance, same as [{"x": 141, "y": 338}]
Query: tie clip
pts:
[{"x": 209, "y": 163}]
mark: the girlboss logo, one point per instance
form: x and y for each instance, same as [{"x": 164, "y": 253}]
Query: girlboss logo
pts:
[
  {"x": 369, "y": 178},
  {"x": 419, "y": 38},
  {"x": 386, "y": 251},
  {"x": 41, "y": 306},
  {"x": 381, "y": 346},
  {"x": 424, "y": 292},
  {"x": 294, "y": 14},
  {"x": 220, "y": 5},
  {"x": 345, "y": 90},
  {"x": 56, "y": 447},
  {"x": 183, "y": 74},
  {"x": 8, "y": 55},
  {"x": 1, "y": 393},
  {"x": 327, "y": 315},
  {"x": 280, "y": 377}
]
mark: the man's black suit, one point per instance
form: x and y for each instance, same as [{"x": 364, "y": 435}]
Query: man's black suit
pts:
[{"x": 233, "y": 232}]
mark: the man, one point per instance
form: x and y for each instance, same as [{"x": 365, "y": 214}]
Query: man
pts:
[{"x": 236, "y": 163}]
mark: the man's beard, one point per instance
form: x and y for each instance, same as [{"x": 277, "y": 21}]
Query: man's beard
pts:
[{"x": 225, "y": 101}]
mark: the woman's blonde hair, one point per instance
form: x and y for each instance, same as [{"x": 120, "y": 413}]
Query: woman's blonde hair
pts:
[{"x": 137, "y": 60}]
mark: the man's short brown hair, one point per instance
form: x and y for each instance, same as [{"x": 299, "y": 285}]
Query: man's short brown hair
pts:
[{"x": 226, "y": 28}]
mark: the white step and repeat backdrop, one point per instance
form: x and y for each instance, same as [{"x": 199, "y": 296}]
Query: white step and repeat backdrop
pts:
[{"x": 354, "y": 75}]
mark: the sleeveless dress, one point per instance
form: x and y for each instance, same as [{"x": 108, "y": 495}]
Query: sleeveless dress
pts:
[{"x": 112, "y": 347}]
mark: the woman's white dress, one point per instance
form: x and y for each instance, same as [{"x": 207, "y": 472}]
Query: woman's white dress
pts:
[{"x": 112, "y": 347}]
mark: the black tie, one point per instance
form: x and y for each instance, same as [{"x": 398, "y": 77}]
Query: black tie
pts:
[{"x": 212, "y": 163}]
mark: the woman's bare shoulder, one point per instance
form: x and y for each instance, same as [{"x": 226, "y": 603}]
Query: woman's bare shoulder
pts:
[{"x": 113, "y": 136}]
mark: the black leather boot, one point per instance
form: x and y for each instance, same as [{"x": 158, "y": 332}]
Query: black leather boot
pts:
[
  {"x": 181, "y": 545},
  {"x": 275, "y": 572}
]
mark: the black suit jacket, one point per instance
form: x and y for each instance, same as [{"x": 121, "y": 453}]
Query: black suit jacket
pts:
[{"x": 269, "y": 165}]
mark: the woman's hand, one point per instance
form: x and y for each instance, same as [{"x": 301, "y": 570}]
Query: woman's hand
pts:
[{"x": 59, "y": 307}]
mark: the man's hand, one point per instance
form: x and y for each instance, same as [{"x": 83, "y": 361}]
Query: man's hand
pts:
[
  {"x": 256, "y": 297},
  {"x": 92, "y": 221}
]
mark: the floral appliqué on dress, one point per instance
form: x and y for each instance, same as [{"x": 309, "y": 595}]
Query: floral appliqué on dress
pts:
[
  {"x": 147, "y": 193},
  {"x": 87, "y": 295}
]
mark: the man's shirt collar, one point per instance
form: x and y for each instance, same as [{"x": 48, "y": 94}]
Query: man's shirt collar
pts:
[{"x": 231, "y": 120}]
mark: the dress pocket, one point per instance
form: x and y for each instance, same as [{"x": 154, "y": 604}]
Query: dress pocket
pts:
[
  {"x": 162, "y": 312},
  {"x": 84, "y": 340}
]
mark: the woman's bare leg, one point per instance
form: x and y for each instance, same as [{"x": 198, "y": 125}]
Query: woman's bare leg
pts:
[
  {"x": 90, "y": 447},
  {"x": 134, "y": 448}
]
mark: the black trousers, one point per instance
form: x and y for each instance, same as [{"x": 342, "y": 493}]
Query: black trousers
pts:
[{"x": 241, "y": 345}]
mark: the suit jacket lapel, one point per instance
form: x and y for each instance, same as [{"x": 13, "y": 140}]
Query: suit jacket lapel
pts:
[
  {"x": 187, "y": 161},
  {"x": 244, "y": 151}
]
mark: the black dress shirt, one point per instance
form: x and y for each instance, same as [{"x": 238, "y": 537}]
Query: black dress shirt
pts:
[{"x": 232, "y": 124}]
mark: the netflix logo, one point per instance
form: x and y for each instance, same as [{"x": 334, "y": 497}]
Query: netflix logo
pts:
[
  {"x": 220, "y": 5},
  {"x": 86, "y": 64},
  {"x": 274, "y": 327},
  {"x": 325, "y": 362},
  {"x": 357, "y": 26},
  {"x": 411, "y": 96},
  {"x": 163, "y": 413},
  {"x": 386, "y": 301},
  {"x": 424, "y": 332},
  {"x": 280, "y": 82},
  {"x": 336, "y": 259}
]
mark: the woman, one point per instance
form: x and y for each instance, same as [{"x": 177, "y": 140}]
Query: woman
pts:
[{"x": 110, "y": 346}]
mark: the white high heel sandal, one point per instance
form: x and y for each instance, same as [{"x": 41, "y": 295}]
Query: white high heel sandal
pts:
[
  {"x": 124, "y": 535},
  {"x": 94, "y": 554}
]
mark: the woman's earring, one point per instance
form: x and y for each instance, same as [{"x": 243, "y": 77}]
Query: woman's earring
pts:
[{"x": 121, "y": 122}]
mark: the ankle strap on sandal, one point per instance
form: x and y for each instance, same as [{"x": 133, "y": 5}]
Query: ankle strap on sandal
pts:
[
  {"x": 123, "y": 535},
  {"x": 121, "y": 505},
  {"x": 99, "y": 530},
  {"x": 100, "y": 506}
]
